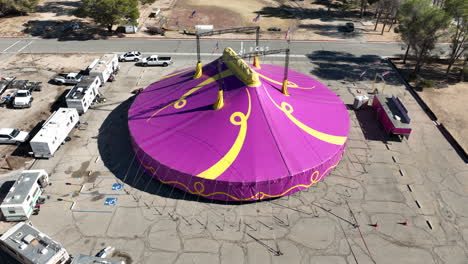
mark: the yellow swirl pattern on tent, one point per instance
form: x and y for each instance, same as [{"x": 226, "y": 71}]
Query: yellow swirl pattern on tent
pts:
[
  {"x": 240, "y": 68},
  {"x": 288, "y": 110},
  {"x": 199, "y": 187},
  {"x": 237, "y": 119},
  {"x": 181, "y": 102}
]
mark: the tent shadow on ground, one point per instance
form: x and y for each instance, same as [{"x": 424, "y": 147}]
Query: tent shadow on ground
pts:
[
  {"x": 371, "y": 127},
  {"x": 118, "y": 156}
]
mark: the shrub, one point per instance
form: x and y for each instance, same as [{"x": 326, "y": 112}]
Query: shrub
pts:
[{"x": 426, "y": 83}]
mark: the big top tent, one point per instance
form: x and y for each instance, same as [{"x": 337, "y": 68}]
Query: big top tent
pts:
[{"x": 234, "y": 134}]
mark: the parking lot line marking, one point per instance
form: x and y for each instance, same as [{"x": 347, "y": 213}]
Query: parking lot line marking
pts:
[
  {"x": 11, "y": 46},
  {"x": 85, "y": 211},
  {"x": 25, "y": 46}
]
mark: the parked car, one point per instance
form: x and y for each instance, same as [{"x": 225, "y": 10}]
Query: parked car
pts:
[
  {"x": 71, "y": 78},
  {"x": 13, "y": 136},
  {"x": 22, "y": 99},
  {"x": 130, "y": 56},
  {"x": 274, "y": 29},
  {"x": 349, "y": 27},
  {"x": 155, "y": 60}
]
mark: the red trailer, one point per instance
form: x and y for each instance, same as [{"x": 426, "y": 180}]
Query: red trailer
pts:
[{"x": 393, "y": 115}]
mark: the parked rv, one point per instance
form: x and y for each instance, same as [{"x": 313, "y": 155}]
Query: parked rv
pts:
[
  {"x": 13, "y": 136},
  {"x": 155, "y": 60},
  {"x": 105, "y": 67},
  {"x": 71, "y": 78},
  {"x": 83, "y": 94},
  {"x": 28, "y": 245},
  {"x": 54, "y": 132},
  {"x": 23, "y": 195}
]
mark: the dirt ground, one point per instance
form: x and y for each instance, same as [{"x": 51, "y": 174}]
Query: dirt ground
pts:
[
  {"x": 50, "y": 15},
  {"x": 311, "y": 20},
  {"x": 45, "y": 67},
  {"x": 448, "y": 102},
  {"x": 450, "y": 106}
]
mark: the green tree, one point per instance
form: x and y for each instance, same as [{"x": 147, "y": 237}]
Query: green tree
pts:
[
  {"x": 17, "y": 6},
  {"x": 458, "y": 11},
  {"x": 421, "y": 25},
  {"x": 144, "y": 2},
  {"x": 109, "y": 12}
]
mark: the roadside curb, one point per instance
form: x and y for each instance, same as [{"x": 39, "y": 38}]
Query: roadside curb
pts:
[
  {"x": 445, "y": 132},
  {"x": 238, "y": 39}
]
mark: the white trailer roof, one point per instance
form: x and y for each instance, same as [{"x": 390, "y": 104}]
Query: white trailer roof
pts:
[
  {"x": 55, "y": 121},
  {"x": 79, "y": 90},
  {"x": 22, "y": 186},
  {"x": 31, "y": 244},
  {"x": 104, "y": 62}
]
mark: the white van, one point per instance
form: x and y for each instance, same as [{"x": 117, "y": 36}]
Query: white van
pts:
[
  {"x": 53, "y": 132},
  {"x": 83, "y": 94},
  {"x": 22, "y": 197}
]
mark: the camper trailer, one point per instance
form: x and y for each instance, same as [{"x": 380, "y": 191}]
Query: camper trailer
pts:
[
  {"x": 22, "y": 197},
  {"x": 105, "y": 67},
  {"x": 83, "y": 94},
  {"x": 53, "y": 132},
  {"x": 30, "y": 246}
]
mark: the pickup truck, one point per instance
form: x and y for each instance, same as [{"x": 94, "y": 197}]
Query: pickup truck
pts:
[
  {"x": 155, "y": 60},
  {"x": 71, "y": 78}
]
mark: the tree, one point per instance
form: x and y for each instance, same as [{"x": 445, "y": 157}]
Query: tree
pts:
[
  {"x": 17, "y": 6},
  {"x": 458, "y": 11},
  {"x": 109, "y": 12},
  {"x": 144, "y": 2},
  {"x": 388, "y": 8},
  {"x": 421, "y": 25}
]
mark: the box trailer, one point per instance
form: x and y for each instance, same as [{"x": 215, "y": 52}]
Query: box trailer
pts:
[
  {"x": 23, "y": 195},
  {"x": 83, "y": 94},
  {"x": 105, "y": 67},
  {"x": 53, "y": 133}
]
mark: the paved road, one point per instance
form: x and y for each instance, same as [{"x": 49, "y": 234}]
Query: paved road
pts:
[{"x": 188, "y": 48}]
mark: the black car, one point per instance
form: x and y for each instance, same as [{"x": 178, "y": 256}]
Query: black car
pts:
[
  {"x": 349, "y": 27},
  {"x": 274, "y": 29}
]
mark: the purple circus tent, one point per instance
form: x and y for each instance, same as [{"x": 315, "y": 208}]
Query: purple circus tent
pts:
[{"x": 261, "y": 144}]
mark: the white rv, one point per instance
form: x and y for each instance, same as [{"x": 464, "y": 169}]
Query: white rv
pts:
[
  {"x": 83, "y": 94},
  {"x": 30, "y": 246},
  {"x": 53, "y": 132},
  {"x": 104, "y": 68},
  {"x": 22, "y": 197}
]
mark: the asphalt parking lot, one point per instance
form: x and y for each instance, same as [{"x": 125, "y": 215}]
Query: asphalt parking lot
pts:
[{"x": 386, "y": 202}]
